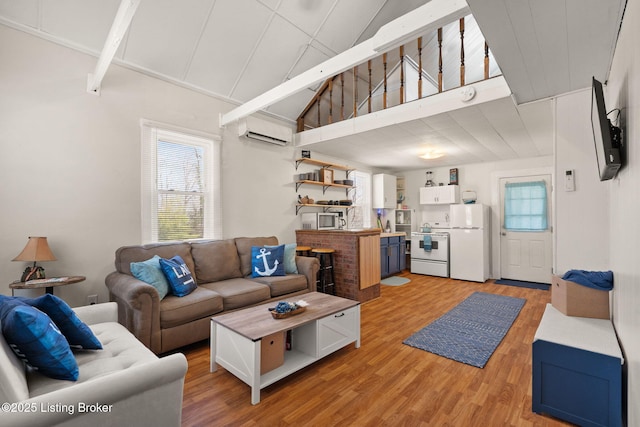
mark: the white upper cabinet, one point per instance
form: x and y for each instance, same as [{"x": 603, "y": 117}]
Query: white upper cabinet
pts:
[
  {"x": 384, "y": 191},
  {"x": 440, "y": 195}
]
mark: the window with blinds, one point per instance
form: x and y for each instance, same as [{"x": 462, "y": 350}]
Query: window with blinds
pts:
[
  {"x": 180, "y": 185},
  {"x": 525, "y": 206}
]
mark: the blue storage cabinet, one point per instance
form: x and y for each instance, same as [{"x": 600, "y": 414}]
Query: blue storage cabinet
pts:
[
  {"x": 392, "y": 255},
  {"x": 577, "y": 370}
]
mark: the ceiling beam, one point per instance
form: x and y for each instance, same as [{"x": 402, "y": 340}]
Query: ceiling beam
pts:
[
  {"x": 428, "y": 17},
  {"x": 120, "y": 26}
]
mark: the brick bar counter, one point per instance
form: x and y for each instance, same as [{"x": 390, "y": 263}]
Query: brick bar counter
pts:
[{"x": 356, "y": 262}]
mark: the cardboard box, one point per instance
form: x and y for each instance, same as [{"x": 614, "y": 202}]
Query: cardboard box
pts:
[
  {"x": 271, "y": 352},
  {"x": 573, "y": 299}
]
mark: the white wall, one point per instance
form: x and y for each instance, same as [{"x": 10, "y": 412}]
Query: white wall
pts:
[
  {"x": 71, "y": 162},
  {"x": 623, "y": 91},
  {"x": 582, "y": 217}
]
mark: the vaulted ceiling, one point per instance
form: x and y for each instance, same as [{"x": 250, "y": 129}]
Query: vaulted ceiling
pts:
[{"x": 237, "y": 50}]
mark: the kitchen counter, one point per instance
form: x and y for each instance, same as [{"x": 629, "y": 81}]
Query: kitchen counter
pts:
[
  {"x": 398, "y": 233},
  {"x": 356, "y": 261}
]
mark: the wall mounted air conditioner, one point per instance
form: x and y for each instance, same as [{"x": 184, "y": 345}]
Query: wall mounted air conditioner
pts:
[{"x": 262, "y": 130}]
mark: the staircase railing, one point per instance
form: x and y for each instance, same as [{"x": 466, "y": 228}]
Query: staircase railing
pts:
[{"x": 403, "y": 75}]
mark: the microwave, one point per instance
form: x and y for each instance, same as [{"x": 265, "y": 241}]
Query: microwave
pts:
[{"x": 321, "y": 221}]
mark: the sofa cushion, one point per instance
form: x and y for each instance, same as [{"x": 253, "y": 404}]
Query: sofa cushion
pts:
[
  {"x": 178, "y": 275},
  {"x": 238, "y": 293},
  {"x": 128, "y": 254},
  {"x": 121, "y": 351},
  {"x": 77, "y": 333},
  {"x": 244, "y": 244},
  {"x": 267, "y": 261},
  {"x": 202, "y": 302},
  {"x": 150, "y": 272},
  {"x": 36, "y": 340},
  {"x": 216, "y": 260},
  {"x": 282, "y": 285}
]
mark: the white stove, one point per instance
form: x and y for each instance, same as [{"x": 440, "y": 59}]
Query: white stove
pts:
[{"x": 430, "y": 253}]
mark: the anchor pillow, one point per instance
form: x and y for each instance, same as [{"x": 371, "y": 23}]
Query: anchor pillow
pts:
[{"x": 267, "y": 261}]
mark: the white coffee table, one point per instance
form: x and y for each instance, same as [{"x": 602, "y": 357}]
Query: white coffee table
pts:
[{"x": 328, "y": 324}]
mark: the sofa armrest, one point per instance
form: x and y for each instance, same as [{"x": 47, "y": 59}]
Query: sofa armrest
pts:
[
  {"x": 146, "y": 394},
  {"x": 97, "y": 313},
  {"x": 138, "y": 307},
  {"x": 309, "y": 266}
]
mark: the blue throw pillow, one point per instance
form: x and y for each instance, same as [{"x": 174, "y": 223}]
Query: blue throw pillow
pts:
[
  {"x": 77, "y": 333},
  {"x": 36, "y": 340},
  {"x": 150, "y": 272},
  {"x": 290, "y": 266},
  {"x": 267, "y": 261},
  {"x": 177, "y": 273}
]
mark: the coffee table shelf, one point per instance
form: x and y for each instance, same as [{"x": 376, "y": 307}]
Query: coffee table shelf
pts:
[{"x": 329, "y": 324}]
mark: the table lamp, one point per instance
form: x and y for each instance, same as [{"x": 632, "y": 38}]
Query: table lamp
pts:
[{"x": 37, "y": 249}]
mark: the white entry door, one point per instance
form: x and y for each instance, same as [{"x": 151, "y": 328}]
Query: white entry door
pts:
[{"x": 526, "y": 255}]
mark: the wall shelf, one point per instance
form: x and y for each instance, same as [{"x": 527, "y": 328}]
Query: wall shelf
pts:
[
  {"x": 323, "y": 164},
  {"x": 326, "y": 183},
  {"x": 325, "y": 208}
]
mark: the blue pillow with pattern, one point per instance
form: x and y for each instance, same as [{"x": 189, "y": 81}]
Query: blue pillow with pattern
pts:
[
  {"x": 177, "y": 273},
  {"x": 36, "y": 340},
  {"x": 77, "y": 333},
  {"x": 267, "y": 261}
]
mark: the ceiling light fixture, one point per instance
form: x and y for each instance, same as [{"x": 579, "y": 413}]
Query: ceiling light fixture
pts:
[{"x": 432, "y": 154}]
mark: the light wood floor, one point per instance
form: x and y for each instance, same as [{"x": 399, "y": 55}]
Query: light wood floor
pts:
[{"x": 384, "y": 382}]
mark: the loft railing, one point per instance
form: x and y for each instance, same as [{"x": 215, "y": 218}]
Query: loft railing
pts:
[{"x": 447, "y": 59}]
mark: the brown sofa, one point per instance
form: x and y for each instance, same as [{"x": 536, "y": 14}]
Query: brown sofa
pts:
[{"x": 222, "y": 270}]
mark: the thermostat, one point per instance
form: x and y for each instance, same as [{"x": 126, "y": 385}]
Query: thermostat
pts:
[{"x": 569, "y": 180}]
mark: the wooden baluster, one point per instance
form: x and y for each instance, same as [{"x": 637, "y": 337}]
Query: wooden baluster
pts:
[
  {"x": 300, "y": 124},
  {"x": 486, "y": 60},
  {"x": 341, "y": 96},
  {"x": 419, "y": 67},
  {"x": 384, "y": 94},
  {"x": 319, "y": 99},
  {"x": 355, "y": 91},
  {"x": 439, "y": 59},
  {"x": 401, "y": 74},
  {"x": 461, "y": 51},
  {"x": 370, "y": 93},
  {"x": 330, "y": 120}
]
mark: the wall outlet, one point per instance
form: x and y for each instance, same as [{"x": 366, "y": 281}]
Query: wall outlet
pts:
[{"x": 92, "y": 299}]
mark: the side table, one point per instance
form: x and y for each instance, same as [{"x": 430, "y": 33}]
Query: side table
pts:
[{"x": 48, "y": 284}]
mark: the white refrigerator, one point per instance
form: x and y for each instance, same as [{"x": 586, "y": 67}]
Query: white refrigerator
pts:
[{"x": 469, "y": 242}]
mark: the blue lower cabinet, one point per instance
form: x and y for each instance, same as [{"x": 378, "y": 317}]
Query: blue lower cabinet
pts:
[{"x": 392, "y": 255}]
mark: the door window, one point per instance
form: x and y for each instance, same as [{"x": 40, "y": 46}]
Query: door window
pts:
[{"x": 525, "y": 206}]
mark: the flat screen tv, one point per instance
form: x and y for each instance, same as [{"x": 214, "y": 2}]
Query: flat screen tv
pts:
[{"x": 606, "y": 137}]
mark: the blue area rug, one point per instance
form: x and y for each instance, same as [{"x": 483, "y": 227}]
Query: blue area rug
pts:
[
  {"x": 471, "y": 331},
  {"x": 523, "y": 284}
]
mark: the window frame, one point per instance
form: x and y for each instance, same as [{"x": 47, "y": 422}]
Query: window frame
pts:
[
  {"x": 151, "y": 133},
  {"x": 362, "y": 200}
]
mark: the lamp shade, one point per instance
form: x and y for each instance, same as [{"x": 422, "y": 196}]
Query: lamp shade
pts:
[{"x": 37, "y": 249}]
